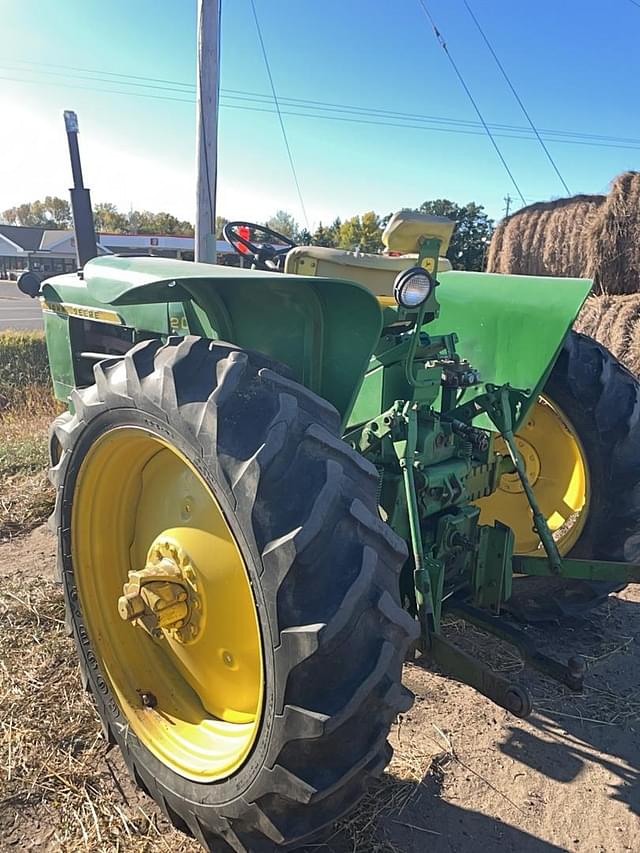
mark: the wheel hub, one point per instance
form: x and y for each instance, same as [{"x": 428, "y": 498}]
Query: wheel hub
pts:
[
  {"x": 163, "y": 598},
  {"x": 511, "y": 482}
]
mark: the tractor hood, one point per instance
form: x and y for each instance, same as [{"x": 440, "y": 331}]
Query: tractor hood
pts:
[{"x": 122, "y": 280}]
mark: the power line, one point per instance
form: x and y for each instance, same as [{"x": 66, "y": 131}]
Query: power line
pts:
[
  {"x": 443, "y": 45},
  {"x": 280, "y": 119},
  {"x": 101, "y": 71},
  {"x": 516, "y": 96},
  {"x": 462, "y": 131},
  {"x": 308, "y": 104},
  {"x": 355, "y": 115}
]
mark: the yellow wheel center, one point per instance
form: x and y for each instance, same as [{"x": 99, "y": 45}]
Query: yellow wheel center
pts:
[
  {"x": 557, "y": 469},
  {"x": 163, "y": 597},
  {"x": 168, "y": 604},
  {"x": 511, "y": 482}
]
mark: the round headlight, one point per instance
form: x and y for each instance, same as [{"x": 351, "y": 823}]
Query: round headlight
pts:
[{"x": 412, "y": 287}]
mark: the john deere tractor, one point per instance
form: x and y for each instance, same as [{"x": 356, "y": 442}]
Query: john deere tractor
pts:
[{"x": 273, "y": 483}]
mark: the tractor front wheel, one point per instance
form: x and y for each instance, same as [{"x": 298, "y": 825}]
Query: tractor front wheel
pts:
[{"x": 232, "y": 591}]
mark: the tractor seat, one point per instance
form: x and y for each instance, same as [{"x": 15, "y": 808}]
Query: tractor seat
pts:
[
  {"x": 403, "y": 235},
  {"x": 375, "y": 272}
]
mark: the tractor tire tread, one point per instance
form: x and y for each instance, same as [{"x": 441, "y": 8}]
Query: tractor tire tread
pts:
[{"x": 338, "y": 647}]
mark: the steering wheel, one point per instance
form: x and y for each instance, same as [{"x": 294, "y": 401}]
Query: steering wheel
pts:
[{"x": 264, "y": 255}]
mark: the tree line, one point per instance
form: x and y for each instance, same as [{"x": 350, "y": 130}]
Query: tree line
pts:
[
  {"x": 55, "y": 213},
  {"x": 468, "y": 248}
]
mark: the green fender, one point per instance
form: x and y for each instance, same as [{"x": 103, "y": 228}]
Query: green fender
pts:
[
  {"x": 510, "y": 327},
  {"x": 324, "y": 330}
]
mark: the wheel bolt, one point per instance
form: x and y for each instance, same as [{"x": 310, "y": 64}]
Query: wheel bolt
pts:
[{"x": 149, "y": 700}]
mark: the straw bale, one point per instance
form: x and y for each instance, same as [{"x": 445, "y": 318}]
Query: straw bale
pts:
[
  {"x": 614, "y": 321},
  {"x": 613, "y": 242},
  {"x": 546, "y": 238}
]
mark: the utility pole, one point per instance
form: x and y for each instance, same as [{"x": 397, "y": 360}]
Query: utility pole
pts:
[
  {"x": 208, "y": 87},
  {"x": 83, "y": 226},
  {"x": 507, "y": 202}
]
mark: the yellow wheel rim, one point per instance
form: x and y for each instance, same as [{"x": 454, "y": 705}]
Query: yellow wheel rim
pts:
[
  {"x": 558, "y": 472},
  {"x": 193, "y": 693}
]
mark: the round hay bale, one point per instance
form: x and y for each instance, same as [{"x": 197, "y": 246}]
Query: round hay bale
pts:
[
  {"x": 614, "y": 321},
  {"x": 613, "y": 242},
  {"x": 495, "y": 247},
  {"x": 546, "y": 238}
]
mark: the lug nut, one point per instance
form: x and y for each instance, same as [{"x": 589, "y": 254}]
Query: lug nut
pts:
[
  {"x": 130, "y": 607},
  {"x": 148, "y": 700}
]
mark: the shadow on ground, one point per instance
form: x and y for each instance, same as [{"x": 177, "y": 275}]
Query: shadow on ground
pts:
[
  {"x": 601, "y": 725},
  {"x": 427, "y": 822}
]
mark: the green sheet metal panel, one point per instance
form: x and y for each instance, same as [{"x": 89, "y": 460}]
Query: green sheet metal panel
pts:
[
  {"x": 324, "y": 330},
  {"x": 56, "y": 327},
  {"x": 510, "y": 327}
]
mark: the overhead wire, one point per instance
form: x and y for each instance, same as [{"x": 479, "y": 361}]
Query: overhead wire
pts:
[
  {"x": 280, "y": 119},
  {"x": 516, "y": 96},
  {"x": 472, "y": 129},
  {"x": 517, "y": 131},
  {"x": 463, "y": 83}
]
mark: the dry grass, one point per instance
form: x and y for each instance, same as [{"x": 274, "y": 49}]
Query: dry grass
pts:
[
  {"x": 59, "y": 790},
  {"x": 24, "y": 371},
  {"x": 27, "y": 407},
  {"x": 26, "y": 496},
  {"x": 410, "y": 771}
]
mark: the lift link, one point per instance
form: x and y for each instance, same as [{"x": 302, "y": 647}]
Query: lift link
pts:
[
  {"x": 428, "y": 573},
  {"x": 502, "y": 402}
]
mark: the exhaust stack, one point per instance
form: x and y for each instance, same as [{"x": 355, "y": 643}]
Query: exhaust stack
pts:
[{"x": 86, "y": 245}]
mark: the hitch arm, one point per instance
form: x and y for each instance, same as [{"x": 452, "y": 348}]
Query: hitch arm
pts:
[
  {"x": 467, "y": 669},
  {"x": 586, "y": 570}
]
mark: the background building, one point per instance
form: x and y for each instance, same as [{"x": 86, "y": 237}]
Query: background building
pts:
[{"x": 54, "y": 252}]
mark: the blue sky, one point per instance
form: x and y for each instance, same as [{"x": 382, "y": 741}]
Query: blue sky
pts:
[{"x": 575, "y": 64}]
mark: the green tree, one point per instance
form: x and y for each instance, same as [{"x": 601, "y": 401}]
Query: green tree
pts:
[
  {"x": 361, "y": 232},
  {"x": 284, "y": 224},
  {"x": 470, "y": 242},
  {"x": 324, "y": 236},
  {"x": 334, "y": 230},
  {"x": 53, "y": 212},
  {"x": 108, "y": 218},
  {"x": 58, "y": 211},
  {"x": 221, "y": 221}
]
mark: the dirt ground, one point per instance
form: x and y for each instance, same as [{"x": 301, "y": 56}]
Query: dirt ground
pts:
[{"x": 466, "y": 776}]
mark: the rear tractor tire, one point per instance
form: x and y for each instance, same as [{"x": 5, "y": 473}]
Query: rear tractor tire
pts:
[
  {"x": 232, "y": 591},
  {"x": 582, "y": 445}
]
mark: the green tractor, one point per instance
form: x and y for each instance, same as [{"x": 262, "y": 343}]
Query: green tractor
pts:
[{"x": 273, "y": 483}]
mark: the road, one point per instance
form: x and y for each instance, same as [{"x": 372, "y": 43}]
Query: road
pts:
[{"x": 18, "y": 311}]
